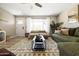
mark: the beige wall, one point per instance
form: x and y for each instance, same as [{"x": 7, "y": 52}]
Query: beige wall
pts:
[
  {"x": 63, "y": 17},
  {"x": 9, "y": 24},
  {"x": 52, "y": 18}
]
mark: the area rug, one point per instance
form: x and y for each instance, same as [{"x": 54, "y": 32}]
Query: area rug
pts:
[
  {"x": 23, "y": 48},
  {"x": 5, "y": 52}
]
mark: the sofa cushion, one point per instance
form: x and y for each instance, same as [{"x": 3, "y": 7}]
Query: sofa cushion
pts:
[
  {"x": 69, "y": 48},
  {"x": 62, "y": 38},
  {"x": 77, "y": 32},
  {"x": 58, "y": 31}
]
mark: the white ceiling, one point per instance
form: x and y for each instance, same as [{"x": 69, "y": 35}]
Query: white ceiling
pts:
[{"x": 30, "y": 9}]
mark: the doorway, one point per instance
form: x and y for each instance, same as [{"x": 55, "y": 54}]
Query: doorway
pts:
[{"x": 20, "y": 26}]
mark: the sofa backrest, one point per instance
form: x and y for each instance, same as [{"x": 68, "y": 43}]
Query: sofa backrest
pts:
[
  {"x": 76, "y": 32},
  {"x": 72, "y": 31}
]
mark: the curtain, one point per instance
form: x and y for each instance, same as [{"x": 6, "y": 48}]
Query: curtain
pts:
[{"x": 38, "y": 24}]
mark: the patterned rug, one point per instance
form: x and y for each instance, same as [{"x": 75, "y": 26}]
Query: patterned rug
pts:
[{"x": 23, "y": 48}]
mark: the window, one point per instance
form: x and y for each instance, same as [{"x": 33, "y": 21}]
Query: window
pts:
[
  {"x": 38, "y": 24},
  {"x": 72, "y": 20}
]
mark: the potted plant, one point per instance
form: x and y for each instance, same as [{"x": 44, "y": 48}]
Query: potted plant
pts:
[{"x": 54, "y": 26}]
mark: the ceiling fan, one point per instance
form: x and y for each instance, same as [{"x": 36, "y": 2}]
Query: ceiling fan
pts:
[{"x": 38, "y": 5}]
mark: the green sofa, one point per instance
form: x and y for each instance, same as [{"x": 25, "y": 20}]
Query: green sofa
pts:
[{"x": 68, "y": 45}]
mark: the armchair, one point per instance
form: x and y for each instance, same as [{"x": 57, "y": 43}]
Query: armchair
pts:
[{"x": 38, "y": 43}]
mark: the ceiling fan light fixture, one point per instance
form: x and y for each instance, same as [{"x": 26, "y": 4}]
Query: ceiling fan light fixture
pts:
[{"x": 39, "y": 5}]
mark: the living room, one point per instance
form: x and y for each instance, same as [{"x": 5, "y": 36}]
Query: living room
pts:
[{"x": 21, "y": 23}]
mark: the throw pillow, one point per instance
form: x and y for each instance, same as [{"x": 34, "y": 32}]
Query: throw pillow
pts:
[
  {"x": 77, "y": 32},
  {"x": 57, "y": 31},
  {"x": 72, "y": 31},
  {"x": 65, "y": 31}
]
